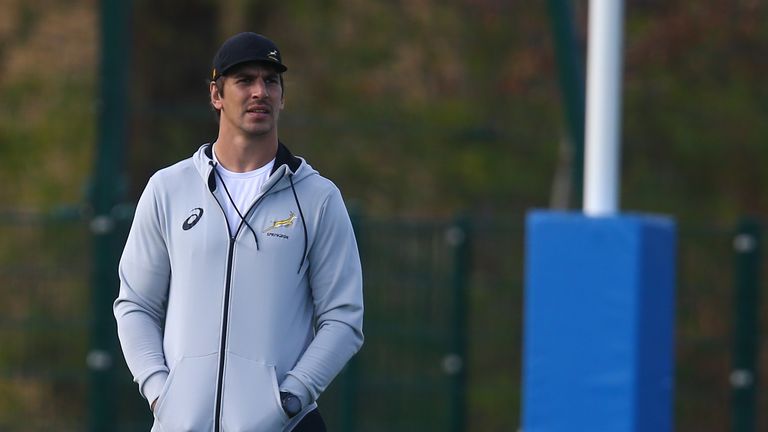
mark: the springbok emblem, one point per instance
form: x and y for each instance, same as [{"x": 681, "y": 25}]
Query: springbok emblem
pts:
[{"x": 282, "y": 223}]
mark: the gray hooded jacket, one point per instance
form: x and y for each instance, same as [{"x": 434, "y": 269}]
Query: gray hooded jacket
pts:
[{"x": 214, "y": 325}]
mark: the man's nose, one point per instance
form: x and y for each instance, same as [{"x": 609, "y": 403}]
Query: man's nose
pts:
[{"x": 259, "y": 90}]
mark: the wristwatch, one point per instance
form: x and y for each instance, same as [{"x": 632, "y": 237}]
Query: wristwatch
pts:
[{"x": 291, "y": 403}]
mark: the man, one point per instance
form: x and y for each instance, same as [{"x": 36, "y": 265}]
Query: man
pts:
[{"x": 241, "y": 288}]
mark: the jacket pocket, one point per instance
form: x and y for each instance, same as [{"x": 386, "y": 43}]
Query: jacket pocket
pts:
[
  {"x": 251, "y": 400},
  {"x": 186, "y": 402}
]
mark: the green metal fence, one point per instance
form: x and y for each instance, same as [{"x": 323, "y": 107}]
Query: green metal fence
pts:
[
  {"x": 411, "y": 374},
  {"x": 42, "y": 323},
  {"x": 443, "y": 316}
]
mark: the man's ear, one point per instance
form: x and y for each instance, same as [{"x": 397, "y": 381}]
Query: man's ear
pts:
[{"x": 215, "y": 96}]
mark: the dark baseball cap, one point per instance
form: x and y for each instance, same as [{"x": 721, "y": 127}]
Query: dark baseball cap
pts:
[{"x": 244, "y": 48}]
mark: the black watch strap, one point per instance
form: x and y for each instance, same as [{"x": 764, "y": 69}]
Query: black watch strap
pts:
[{"x": 291, "y": 403}]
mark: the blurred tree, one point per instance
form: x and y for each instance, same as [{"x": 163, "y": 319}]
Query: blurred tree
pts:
[
  {"x": 170, "y": 83},
  {"x": 428, "y": 106},
  {"x": 47, "y": 58}
]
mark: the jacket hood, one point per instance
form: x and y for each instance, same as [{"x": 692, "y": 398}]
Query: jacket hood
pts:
[{"x": 286, "y": 165}]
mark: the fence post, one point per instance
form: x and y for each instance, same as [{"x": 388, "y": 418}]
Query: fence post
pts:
[
  {"x": 456, "y": 363},
  {"x": 350, "y": 379},
  {"x": 570, "y": 69},
  {"x": 743, "y": 378},
  {"x": 106, "y": 193}
]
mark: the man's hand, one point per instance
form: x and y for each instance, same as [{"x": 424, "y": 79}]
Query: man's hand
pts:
[{"x": 154, "y": 402}]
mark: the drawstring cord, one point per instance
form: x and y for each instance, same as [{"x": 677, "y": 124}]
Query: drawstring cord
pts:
[
  {"x": 304, "y": 224},
  {"x": 213, "y": 164},
  {"x": 212, "y": 187}
]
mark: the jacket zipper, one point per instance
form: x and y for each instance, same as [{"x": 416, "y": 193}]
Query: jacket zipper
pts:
[
  {"x": 223, "y": 346},
  {"x": 225, "y": 313}
]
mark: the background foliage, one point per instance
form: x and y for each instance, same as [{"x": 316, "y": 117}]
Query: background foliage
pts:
[{"x": 417, "y": 108}]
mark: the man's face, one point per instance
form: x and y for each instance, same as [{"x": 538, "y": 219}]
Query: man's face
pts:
[{"x": 251, "y": 100}]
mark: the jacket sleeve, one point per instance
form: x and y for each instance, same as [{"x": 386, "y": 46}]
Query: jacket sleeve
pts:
[
  {"x": 140, "y": 306},
  {"x": 336, "y": 281}
]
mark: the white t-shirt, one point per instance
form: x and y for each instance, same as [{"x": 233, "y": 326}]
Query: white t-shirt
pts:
[{"x": 243, "y": 187}]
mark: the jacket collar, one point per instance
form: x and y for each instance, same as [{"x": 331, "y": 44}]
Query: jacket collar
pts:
[{"x": 283, "y": 157}]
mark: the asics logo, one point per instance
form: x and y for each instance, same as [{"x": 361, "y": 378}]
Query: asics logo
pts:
[{"x": 197, "y": 213}]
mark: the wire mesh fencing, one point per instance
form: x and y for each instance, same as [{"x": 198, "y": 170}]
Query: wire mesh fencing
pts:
[{"x": 443, "y": 329}]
